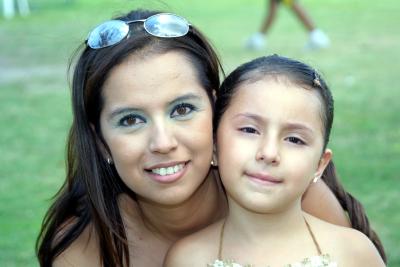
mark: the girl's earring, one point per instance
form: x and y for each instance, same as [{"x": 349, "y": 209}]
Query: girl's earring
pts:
[
  {"x": 315, "y": 179},
  {"x": 109, "y": 161}
]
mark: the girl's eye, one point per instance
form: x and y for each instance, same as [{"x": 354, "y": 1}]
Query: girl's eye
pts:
[
  {"x": 182, "y": 110},
  {"x": 295, "y": 140},
  {"x": 250, "y": 130},
  {"x": 131, "y": 120}
]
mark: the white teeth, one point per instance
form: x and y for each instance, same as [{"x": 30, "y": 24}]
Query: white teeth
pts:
[{"x": 168, "y": 170}]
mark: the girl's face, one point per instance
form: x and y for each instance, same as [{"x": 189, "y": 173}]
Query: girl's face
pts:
[
  {"x": 269, "y": 144},
  {"x": 157, "y": 124}
]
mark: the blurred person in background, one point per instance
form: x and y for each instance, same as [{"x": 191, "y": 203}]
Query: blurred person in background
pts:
[
  {"x": 9, "y": 8},
  {"x": 317, "y": 39}
]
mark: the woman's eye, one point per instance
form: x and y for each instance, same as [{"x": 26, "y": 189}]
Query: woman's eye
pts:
[
  {"x": 131, "y": 120},
  {"x": 248, "y": 130},
  {"x": 182, "y": 110},
  {"x": 295, "y": 140}
]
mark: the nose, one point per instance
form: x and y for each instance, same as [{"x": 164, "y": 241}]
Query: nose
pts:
[
  {"x": 162, "y": 139},
  {"x": 269, "y": 151}
]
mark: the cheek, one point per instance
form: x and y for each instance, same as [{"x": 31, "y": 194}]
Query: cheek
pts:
[
  {"x": 197, "y": 139},
  {"x": 233, "y": 152},
  {"x": 202, "y": 131},
  {"x": 124, "y": 149},
  {"x": 228, "y": 151},
  {"x": 127, "y": 153},
  {"x": 305, "y": 169}
]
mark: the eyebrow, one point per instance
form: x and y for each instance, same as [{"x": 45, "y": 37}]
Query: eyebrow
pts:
[
  {"x": 186, "y": 97},
  {"x": 250, "y": 116},
  {"x": 298, "y": 126},
  {"x": 119, "y": 111},
  {"x": 287, "y": 125}
]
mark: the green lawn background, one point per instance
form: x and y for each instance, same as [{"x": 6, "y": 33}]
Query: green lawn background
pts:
[{"x": 362, "y": 67}]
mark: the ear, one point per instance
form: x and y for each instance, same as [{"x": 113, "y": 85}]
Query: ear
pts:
[
  {"x": 214, "y": 160},
  {"x": 323, "y": 162}
]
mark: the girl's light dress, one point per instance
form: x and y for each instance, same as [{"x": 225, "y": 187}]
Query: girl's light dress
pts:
[{"x": 321, "y": 260}]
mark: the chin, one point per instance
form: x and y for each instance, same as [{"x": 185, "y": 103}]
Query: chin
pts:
[
  {"x": 262, "y": 205},
  {"x": 262, "y": 208},
  {"x": 174, "y": 197}
]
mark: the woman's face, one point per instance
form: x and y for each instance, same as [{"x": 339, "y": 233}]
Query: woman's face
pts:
[{"x": 157, "y": 124}]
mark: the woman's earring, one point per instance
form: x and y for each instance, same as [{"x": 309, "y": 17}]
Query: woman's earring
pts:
[
  {"x": 109, "y": 161},
  {"x": 315, "y": 179},
  {"x": 214, "y": 163}
]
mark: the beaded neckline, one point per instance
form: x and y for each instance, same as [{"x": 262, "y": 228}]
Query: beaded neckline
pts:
[{"x": 323, "y": 260}]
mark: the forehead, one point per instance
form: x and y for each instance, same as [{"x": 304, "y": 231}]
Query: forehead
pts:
[
  {"x": 277, "y": 100},
  {"x": 148, "y": 79}
]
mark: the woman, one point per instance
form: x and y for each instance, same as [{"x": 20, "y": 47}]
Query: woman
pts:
[{"x": 140, "y": 147}]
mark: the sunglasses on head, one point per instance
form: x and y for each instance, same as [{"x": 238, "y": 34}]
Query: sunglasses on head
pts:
[{"x": 164, "y": 25}]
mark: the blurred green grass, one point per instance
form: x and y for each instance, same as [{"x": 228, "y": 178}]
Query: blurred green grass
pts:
[{"x": 361, "y": 67}]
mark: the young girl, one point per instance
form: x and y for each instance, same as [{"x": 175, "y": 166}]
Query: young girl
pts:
[{"x": 273, "y": 118}]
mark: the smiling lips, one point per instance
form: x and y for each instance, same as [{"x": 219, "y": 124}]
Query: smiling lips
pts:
[
  {"x": 264, "y": 178},
  {"x": 167, "y": 172}
]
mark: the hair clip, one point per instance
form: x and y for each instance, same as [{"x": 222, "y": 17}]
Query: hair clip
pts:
[{"x": 316, "y": 80}]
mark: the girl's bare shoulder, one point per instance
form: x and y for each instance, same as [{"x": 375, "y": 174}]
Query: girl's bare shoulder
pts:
[
  {"x": 349, "y": 246},
  {"x": 197, "y": 249}
]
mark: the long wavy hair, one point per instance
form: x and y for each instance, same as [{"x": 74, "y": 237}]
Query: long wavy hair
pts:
[
  {"x": 89, "y": 195},
  {"x": 303, "y": 75}
]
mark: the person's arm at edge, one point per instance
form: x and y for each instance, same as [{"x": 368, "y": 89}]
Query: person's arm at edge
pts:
[{"x": 320, "y": 202}]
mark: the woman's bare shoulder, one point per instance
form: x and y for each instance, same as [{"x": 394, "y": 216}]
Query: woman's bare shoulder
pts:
[
  {"x": 349, "y": 246},
  {"x": 320, "y": 202},
  {"x": 197, "y": 249},
  {"x": 83, "y": 251}
]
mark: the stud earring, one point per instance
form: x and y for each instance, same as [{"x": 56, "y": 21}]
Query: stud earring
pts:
[
  {"x": 214, "y": 163},
  {"x": 109, "y": 161},
  {"x": 315, "y": 179}
]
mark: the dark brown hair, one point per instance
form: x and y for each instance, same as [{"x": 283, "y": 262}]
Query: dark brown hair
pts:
[
  {"x": 303, "y": 75},
  {"x": 89, "y": 194}
]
